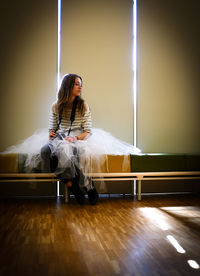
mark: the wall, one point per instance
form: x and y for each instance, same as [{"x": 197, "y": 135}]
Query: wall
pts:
[
  {"x": 168, "y": 76},
  {"x": 28, "y": 31},
  {"x": 97, "y": 44}
]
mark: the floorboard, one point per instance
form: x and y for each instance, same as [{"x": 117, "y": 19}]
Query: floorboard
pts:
[{"x": 119, "y": 236}]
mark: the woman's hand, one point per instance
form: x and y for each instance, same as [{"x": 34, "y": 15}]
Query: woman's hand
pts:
[
  {"x": 52, "y": 134},
  {"x": 83, "y": 136},
  {"x": 71, "y": 139}
]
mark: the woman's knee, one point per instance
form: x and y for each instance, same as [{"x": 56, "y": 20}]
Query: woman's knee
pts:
[{"x": 45, "y": 150}]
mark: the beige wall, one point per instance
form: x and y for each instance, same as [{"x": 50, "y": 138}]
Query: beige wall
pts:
[
  {"x": 28, "y": 48},
  {"x": 97, "y": 44},
  {"x": 168, "y": 76}
]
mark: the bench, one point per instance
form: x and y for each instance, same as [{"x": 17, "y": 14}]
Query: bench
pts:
[
  {"x": 142, "y": 167},
  {"x": 138, "y": 177}
]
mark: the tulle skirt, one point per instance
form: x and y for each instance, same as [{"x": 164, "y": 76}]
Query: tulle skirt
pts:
[{"x": 82, "y": 153}]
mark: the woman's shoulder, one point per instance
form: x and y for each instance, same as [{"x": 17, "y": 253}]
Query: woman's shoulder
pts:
[
  {"x": 54, "y": 107},
  {"x": 86, "y": 106}
]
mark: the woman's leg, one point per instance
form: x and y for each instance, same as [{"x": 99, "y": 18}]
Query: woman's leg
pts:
[
  {"x": 49, "y": 161},
  {"x": 46, "y": 158},
  {"x": 85, "y": 182},
  {"x": 92, "y": 193}
]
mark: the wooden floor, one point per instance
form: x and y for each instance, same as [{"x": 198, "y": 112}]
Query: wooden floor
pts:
[{"x": 119, "y": 236}]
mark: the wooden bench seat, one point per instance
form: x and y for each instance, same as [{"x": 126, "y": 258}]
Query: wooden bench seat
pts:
[
  {"x": 137, "y": 176},
  {"x": 142, "y": 167}
]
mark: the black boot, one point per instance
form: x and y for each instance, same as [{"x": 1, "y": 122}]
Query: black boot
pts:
[
  {"x": 93, "y": 195},
  {"x": 78, "y": 193}
]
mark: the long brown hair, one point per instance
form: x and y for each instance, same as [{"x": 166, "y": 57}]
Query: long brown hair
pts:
[{"x": 65, "y": 92}]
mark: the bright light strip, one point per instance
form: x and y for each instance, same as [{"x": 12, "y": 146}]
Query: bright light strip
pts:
[
  {"x": 59, "y": 44},
  {"x": 174, "y": 242},
  {"x": 135, "y": 72},
  {"x": 193, "y": 264},
  {"x": 58, "y": 189},
  {"x": 58, "y": 60}
]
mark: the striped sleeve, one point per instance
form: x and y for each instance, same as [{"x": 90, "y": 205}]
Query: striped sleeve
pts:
[
  {"x": 87, "y": 120},
  {"x": 53, "y": 119}
]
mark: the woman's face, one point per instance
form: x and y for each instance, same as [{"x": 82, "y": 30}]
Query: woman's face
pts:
[{"x": 76, "y": 91}]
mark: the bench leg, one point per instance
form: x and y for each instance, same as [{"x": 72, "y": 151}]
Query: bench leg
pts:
[{"x": 139, "y": 189}]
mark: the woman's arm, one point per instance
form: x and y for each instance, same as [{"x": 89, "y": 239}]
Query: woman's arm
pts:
[
  {"x": 87, "y": 120},
  {"x": 53, "y": 121},
  {"x": 83, "y": 136}
]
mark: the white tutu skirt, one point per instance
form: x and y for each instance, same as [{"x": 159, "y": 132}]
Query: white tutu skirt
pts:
[{"x": 96, "y": 147}]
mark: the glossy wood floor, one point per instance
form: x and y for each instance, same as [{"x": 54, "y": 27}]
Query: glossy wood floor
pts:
[{"x": 119, "y": 236}]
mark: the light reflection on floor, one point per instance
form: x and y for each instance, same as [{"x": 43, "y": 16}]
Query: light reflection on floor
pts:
[
  {"x": 161, "y": 219},
  {"x": 193, "y": 264},
  {"x": 175, "y": 244},
  {"x": 157, "y": 216}
]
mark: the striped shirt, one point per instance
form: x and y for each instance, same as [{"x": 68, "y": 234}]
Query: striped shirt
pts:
[{"x": 82, "y": 123}]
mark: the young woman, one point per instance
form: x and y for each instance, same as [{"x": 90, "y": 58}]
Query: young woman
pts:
[
  {"x": 69, "y": 122},
  {"x": 73, "y": 148}
]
